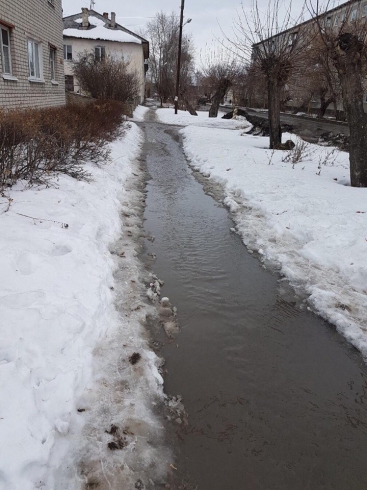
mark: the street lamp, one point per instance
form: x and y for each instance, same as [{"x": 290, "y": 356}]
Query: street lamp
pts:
[{"x": 179, "y": 54}]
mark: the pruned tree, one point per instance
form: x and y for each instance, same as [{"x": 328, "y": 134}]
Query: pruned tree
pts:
[
  {"x": 220, "y": 69},
  {"x": 275, "y": 44},
  {"x": 344, "y": 37},
  {"x": 106, "y": 78},
  {"x": 315, "y": 80},
  {"x": 163, "y": 34}
]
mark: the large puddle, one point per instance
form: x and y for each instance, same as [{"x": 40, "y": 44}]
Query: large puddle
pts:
[{"x": 276, "y": 399}]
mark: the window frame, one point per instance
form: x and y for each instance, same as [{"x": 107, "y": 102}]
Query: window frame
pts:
[
  {"x": 36, "y": 59},
  {"x": 6, "y": 29},
  {"x": 66, "y": 52},
  {"x": 353, "y": 15},
  {"x": 53, "y": 63},
  {"x": 102, "y": 53}
]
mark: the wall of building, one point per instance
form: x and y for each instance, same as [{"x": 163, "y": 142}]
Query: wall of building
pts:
[
  {"x": 131, "y": 52},
  {"x": 40, "y": 20}
]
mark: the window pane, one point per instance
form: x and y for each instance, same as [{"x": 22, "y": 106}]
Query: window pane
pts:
[
  {"x": 5, "y": 37},
  {"x": 36, "y": 60},
  {"x": 31, "y": 59},
  {"x": 52, "y": 63},
  {"x": 69, "y": 52},
  {"x": 6, "y": 59}
]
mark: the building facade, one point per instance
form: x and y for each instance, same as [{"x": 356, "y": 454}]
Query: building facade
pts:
[
  {"x": 31, "y": 54},
  {"x": 92, "y": 32}
]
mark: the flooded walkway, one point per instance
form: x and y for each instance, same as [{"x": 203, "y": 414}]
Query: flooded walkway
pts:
[{"x": 276, "y": 399}]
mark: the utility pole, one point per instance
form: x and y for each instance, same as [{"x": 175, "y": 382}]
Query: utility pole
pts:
[{"x": 179, "y": 56}]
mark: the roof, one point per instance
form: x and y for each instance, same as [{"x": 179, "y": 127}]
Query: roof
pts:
[{"x": 100, "y": 29}]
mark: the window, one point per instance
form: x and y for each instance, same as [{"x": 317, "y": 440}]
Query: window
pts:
[
  {"x": 364, "y": 10},
  {"x": 34, "y": 60},
  {"x": 353, "y": 15},
  {"x": 53, "y": 63},
  {"x": 292, "y": 38},
  {"x": 69, "y": 83},
  {"x": 5, "y": 50},
  {"x": 328, "y": 21},
  {"x": 68, "y": 52},
  {"x": 336, "y": 21},
  {"x": 99, "y": 53}
]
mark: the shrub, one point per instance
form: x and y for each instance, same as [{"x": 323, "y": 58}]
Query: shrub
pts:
[
  {"x": 34, "y": 143},
  {"x": 107, "y": 78}
]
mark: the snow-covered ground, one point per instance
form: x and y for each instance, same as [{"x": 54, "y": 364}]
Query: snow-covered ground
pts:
[
  {"x": 303, "y": 217},
  {"x": 202, "y": 119},
  {"x": 70, "y": 319}
]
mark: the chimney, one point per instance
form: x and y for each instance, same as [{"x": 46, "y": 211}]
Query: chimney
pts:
[
  {"x": 105, "y": 15},
  {"x": 85, "y": 19},
  {"x": 113, "y": 20}
]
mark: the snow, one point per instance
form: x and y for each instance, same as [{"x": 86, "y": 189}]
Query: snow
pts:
[
  {"x": 70, "y": 318},
  {"x": 101, "y": 32},
  {"x": 308, "y": 222},
  {"x": 139, "y": 113},
  {"x": 202, "y": 119}
]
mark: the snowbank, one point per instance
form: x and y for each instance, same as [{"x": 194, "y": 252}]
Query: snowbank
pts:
[
  {"x": 305, "y": 218},
  {"x": 70, "y": 319},
  {"x": 183, "y": 118},
  {"x": 139, "y": 113}
]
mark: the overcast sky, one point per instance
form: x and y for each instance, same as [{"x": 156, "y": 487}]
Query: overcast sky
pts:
[{"x": 206, "y": 15}]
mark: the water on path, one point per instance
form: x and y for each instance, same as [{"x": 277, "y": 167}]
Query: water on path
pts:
[{"x": 276, "y": 399}]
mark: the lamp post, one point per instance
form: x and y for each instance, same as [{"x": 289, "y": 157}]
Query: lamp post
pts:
[{"x": 179, "y": 55}]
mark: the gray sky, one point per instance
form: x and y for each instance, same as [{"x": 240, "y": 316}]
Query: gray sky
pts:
[{"x": 205, "y": 14}]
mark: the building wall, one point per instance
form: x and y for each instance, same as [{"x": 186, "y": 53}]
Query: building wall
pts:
[
  {"x": 40, "y": 20},
  {"x": 131, "y": 52}
]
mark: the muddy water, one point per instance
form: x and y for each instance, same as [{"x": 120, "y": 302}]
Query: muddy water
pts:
[{"x": 276, "y": 398}]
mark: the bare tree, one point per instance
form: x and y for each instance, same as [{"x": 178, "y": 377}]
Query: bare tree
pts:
[
  {"x": 275, "y": 44},
  {"x": 106, "y": 78},
  {"x": 344, "y": 36},
  {"x": 163, "y": 33},
  {"x": 219, "y": 71}
]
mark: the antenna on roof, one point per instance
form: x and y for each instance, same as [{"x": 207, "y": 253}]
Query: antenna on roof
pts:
[{"x": 92, "y": 4}]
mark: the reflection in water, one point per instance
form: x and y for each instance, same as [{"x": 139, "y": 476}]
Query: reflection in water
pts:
[{"x": 276, "y": 398}]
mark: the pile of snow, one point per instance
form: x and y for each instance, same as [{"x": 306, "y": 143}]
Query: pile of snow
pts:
[
  {"x": 70, "y": 319},
  {"x": 303, "y": 217},
  {"x": 101, "y": 31},
  {"x": 184, "y": 118},
  {"x": 140, "y": 112}
]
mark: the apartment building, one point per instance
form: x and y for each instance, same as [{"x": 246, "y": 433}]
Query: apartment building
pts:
[{"x": 31, "y": 54}]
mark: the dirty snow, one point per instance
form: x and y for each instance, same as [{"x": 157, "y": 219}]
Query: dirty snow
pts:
[
  {"x": 71, "y": 316},
  {"x": 139, "y": 113},
  {"x": 305, "y": 218}
]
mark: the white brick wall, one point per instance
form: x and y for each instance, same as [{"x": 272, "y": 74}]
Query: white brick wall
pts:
[{"x": 40, "y": 20}]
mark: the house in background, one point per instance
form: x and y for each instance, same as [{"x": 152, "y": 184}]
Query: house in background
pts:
[
  {"x": 31, "y": 54},
  {"x": 92, "y": 32}
]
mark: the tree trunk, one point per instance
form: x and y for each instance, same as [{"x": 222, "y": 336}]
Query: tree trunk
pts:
[
  {"x": 190, "y": 108},
  {"x": 218, "y": 97},
  {"x": 350, "y": 72},
  {"x": 357, "y": 120},
  {"x": 324, "y": 104},
  {"x": 274, "y": 113}
]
